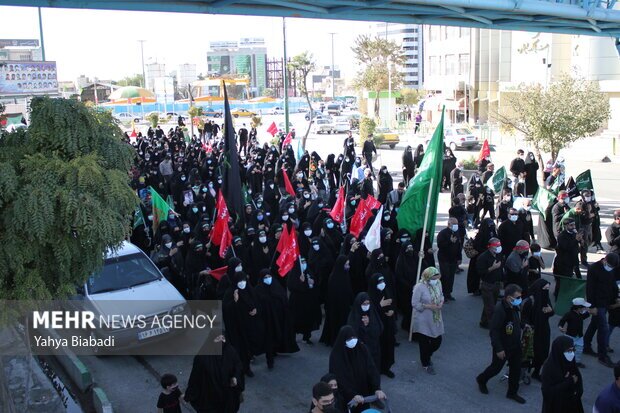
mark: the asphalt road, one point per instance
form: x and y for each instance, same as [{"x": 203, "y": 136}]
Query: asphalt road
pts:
[{"x": 132, "y": 384}]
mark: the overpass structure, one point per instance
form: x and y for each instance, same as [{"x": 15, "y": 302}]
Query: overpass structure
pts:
[{"x": 585, "y": 17}]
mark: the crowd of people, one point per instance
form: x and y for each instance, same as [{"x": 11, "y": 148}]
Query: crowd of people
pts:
[{"x": 361, "y": 298}]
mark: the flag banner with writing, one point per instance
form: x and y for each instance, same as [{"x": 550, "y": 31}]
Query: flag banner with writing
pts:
[
  {"x": 584, "y": 181},
  {"x": 497, "y": 181},
  {"x": 541, "y": 201}
]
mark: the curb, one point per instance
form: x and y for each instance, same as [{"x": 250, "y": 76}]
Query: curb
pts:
[{"x": 101, "y": 402}]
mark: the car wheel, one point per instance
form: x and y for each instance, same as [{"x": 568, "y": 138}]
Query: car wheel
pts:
[
  {"x": 452, "y": 146},
  {"x": 236, "y": 116},
  {"x": 392, "y": 146},
  {"x": 329, "y": 132}
]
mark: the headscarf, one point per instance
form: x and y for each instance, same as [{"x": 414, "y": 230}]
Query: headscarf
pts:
[
  {"x": 434, "y": 290},
  {"x": 556, "y": 366}
]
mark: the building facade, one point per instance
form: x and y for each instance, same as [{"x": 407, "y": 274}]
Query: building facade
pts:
[
  {"x": 410, "y": 37},
  {"x": 186, "y": 74},
  {"x": 246, "y": 57},
  {"x": 152, "y": 72}
]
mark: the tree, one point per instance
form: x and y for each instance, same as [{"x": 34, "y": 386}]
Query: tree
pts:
[
  {"x": 377, "y": 57},
  {"x": 135, "y": 80},
  {"x": 411, "y": 97},
  {"x": 65, "y": 199},
  {"x": 153, "y": 118},
  {"x": 269, "y": 92},
  {"x": 552, "y": 119},
  {"x": 303, "y": 64}
]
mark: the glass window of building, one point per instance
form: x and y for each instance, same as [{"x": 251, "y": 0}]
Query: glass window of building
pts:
[
  {"x": 463, "y": 64},
  {"x": 451, "y": 64}
]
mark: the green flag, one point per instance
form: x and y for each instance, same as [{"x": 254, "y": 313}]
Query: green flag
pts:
[
  {"x": 138, "y": 217},
  {"x": 569, "y": 288},
  {"x": 413, "y": 205},
  {"x": 170, "y": 202},
  {"x": 497, "y": 181},
  {"x": 584, "y": 181},
  {"x": 541, "y": 201},
  {"x": 160, "y": 208}
]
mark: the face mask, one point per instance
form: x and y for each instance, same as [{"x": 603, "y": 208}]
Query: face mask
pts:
[
  {"x": 262, "y": 240},
  {"x": 347, "y": 267},
  {"x": 537, "y": 254},
  {"x": 498, "y": 250},
  {"x": 267, "y": 280},
  {"x": 242, "y": 284},
  {"x": 186, "y": 230},
  {"x": 219, "y": 181},
  {"x": 353, "y": 202},
  {"x": 351, "y": 343},
  {"x": 381, "y": 286},
  {"x": 517, "y": 301},
  {"x": 507, "y": 198},
  {"x": 607, "y": 267},
  {"x": 433, "y": 282},
  {"x": 150, "y": 217},
  {"x": 300, "y": 176},
  {"x": 259, "y": 217},
  {"x": 321, "y": 205},
  {"x": 513, "y": 218},
  {"x": 284, "y": 217},
  {"x": 454, "y": 228},
  {"x": 561, "y": 201},
  {"x": 194, "y": 210},
  {"x": 239, "y": 268},
  {"x": 365, "y": 307},
  {"x": 308, "y": 232},
  {"x": 569, "y": 355},
  {"x": 306, "y": 196},
  {"x": 168, "y": 245},
  {"x": 330, "y": 225},
  {"x": 205, "y": 189},
  {"x": 573, "y": 231},
  {"x": 316, "y": 247},
  {"x": 271, "y": 186},
  {"x": 588, "y": 198},
  {"x": 183, "y": 178},
  {"x": 386, "y": 217},
  {"x": 304, "y": 266},
  {"x": 291, "y": 210},
  {"x": 204, "y": 209}
]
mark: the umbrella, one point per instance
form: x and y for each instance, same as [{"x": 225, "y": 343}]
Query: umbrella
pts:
[{"x": 128, "y": 92}]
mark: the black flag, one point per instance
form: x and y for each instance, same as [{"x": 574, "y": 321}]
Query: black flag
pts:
[{"x": 231, "y": 177}]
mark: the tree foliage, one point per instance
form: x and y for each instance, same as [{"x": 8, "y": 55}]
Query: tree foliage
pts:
[
  {"x": 64, "y": 198},
  {"x": 135, "y": 80},
  {"x": 411, "y": 97},
  {"x": 377, "y": 57},
  {"x": 153, "y": 118},
  {"x": 303, "y": 64},
  {"x": 571, "y": 109},
  {"x": 269, "y": 92}
]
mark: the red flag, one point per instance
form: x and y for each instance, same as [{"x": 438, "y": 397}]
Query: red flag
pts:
[
  {"x": 290, "y": 254},
  {"x": 287, "y": 183},
  {"x": 484, "y": 151},
  {"x": 208, "y": 148},
  {"x": 272, "y": 129},
  {"x": 360, "y": 218},
  {"x": 337, "y": 212},
  {"x": 221, "y": 233},
  {"x": 133, "y": 133},
  {"x": 372, "y": 202},
  {"x": 218, "y": 273},
  {"x": 287, "y": 140},
  {"x": 283, "y": 239}
]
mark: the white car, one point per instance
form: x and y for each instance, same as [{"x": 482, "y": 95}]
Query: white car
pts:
[
  {"x": 342, "y": 125},
  {"x": 276, "y": 111},
  {"x": 128, "y": 275},
  {"x": 457, "y": 137},
  {"x": 126, "y": 117},
  {"x": 322, "y": 126}
]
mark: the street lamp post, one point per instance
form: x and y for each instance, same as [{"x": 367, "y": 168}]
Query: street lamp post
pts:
[
  {"x": 333, "y": 68},
  {"x": 285, "y": 77},
  {"x": 389, "y": 120},
  {"x": 41, "y": 35},
  {"x": 142, "y": 53}
]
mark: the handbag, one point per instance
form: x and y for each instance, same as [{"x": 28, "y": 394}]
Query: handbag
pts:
[{"x": 468, "y": 247}]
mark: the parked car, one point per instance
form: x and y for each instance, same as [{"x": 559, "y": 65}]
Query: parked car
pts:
[
  {"x": 244, "y": 113},
  {"x": 459, "y": 137},
  {"x": 312, "y": 114},
  {"x": 126, "y": 117},
  {"x": 212, "y": 113},
  {"x": 282, "y": 127},
  {"x": 390, "y": 138},
  {"x": 334, "y": 109},
  {"x": 276, "y": 111},
  {"x": 129, "y": 275},
  {"x": 342, "y": 124},
  {"x": 322, "y": 125}
]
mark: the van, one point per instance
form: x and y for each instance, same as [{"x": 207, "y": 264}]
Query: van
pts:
[{"x": 334, "y": 109}]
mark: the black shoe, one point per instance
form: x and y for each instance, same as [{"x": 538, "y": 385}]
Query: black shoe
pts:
[
  {"x": 484, "y": 325},
  {"x": 460, "y": 270},
  {"x": 309, "y": 342},
  {"x": 607, "y": 362},
  {"x": 482, "y": 386},
  {"x": 477, "y": 293},
  {"x": 270, "y": 365},
  {"x": 536, "y": 376},
  {"x": 610, "y": 350},
  {"x": 451, "y": 298},
  {"x": 249, "y": 373},
  {"x": 581, "y": 365},
  {"x": 589, "y": 351},
  {"x": 585, "y": 264},
  {"x": 389, "y": 373},
  {"x": 516, "y": 398},
  {"x": 396, "y": 344}
]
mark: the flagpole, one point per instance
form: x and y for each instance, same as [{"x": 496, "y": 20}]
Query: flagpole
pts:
[{"x": 420, "y": 255}]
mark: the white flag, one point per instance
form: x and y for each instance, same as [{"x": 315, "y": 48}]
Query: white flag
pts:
[{"x": 373, "y": 237}]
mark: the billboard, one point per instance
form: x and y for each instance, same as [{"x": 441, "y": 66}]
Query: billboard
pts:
[
  {"x": 219, "y": 64},
  {"x": 28, "y": 78},
  {"x": 19, "y": 42}
]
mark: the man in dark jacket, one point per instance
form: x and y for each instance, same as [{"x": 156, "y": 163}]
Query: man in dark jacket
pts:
[
  {"x": 566, "y": 260},
  {"x": 558, "y": 211},
  {"x": 505, "y": 332},
  {"x": 601, "y": 291},
  {"x": 456, "y": 180},
  {"x": 490, "y": 267},
  {"x": 613, "y": 233},
  {"x": 449, "y": 255},
  {"x": 517, "y": 166},
  {"x": 510, "y": 232},
  {"x": 367, "y": 150}
]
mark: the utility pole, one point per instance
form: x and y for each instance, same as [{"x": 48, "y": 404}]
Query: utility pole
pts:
[
  {"x": 333, "y": 73},
  {"x": 41, "y": 35},
  {"x": 142, "y": 53},
  {"x": 285, "y": 77}
]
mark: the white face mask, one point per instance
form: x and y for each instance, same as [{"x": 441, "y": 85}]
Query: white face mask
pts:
[
  {"x": 608, "y": 268},
  {"x": 381, "y": 286},
  {"x": 498, "y": 250},
  {"x": 186, "y": 230},
  {"x": 514, "y": 218},
  {"x": 284, "y": 217},
  {"x": 267, "y": 280},
  {"x": 365, "y": 307},
  {"x": 242, "y": 284},
  {"x": 454, "y": 227},
  {"x": 291, "y": 210},
  {"x": 304, "y": 266},
  {"x": 507, "y": 198},
  {"x": 569, "y": 355},
  {"x": 262, "y": 240},
  {"x": 239, "y": 268},
  {"x": 537, "y": 254},
  {"x": 308, "y": 232},
  {"x": 316, "y": 247},
  {"x": 168, "y": 245},
  {"x": 433, "y": 282},
  {"x": 588, "y": 198},
  {"x": 351, "y": 343}
]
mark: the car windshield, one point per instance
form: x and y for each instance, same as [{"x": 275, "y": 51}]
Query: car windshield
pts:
[
  {"x": 463, "y": 131},
  {"x": 121, "y": 273}
]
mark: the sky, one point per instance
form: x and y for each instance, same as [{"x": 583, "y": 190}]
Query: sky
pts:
[{"x": 104, "y": 44}]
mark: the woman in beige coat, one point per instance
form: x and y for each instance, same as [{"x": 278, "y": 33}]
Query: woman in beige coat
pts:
[{"x": 427, "y": 301}]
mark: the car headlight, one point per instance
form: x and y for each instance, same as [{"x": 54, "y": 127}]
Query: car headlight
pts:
[{"x": 178, "y": 309}]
